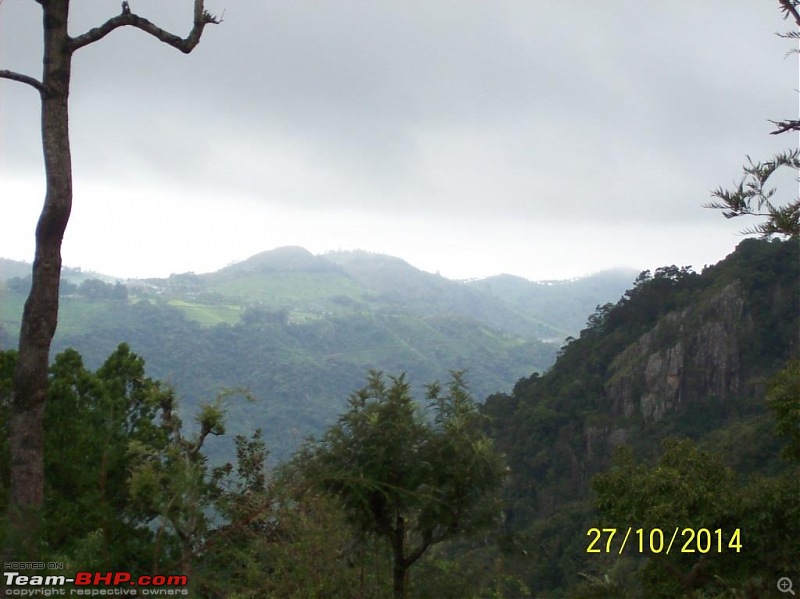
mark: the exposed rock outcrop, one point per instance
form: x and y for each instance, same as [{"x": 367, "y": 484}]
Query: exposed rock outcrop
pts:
[{"x": 689, "y": 354}]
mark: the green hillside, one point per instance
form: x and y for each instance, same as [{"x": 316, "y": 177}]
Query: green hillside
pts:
[
  {"x": 299, "y": 331},
  {"x": 681, "y": 355},
  {"x": 673, "y": 413},
  {"x": 308, "y": 287},
  {"x": 564, "y": 304}
]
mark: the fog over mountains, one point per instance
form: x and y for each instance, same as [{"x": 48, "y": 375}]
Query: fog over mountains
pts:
[
  {"x": 293, "y": 279},
  {"x": 300, "y": 331}
]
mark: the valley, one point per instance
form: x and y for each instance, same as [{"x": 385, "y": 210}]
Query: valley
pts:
[{"x": 300, "y": 331}]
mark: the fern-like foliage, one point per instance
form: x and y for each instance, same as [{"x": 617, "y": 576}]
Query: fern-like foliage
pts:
[{"x": 753, "y": 196}]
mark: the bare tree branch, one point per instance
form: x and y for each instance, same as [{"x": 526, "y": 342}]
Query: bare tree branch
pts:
[
  {"x": 201, "y": 18},
  {"x": 4, "y": 74},
  {"x": 784, "y": 126}
]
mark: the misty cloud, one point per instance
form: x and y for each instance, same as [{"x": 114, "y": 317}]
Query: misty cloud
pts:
[{"x": 501, "y": 112}]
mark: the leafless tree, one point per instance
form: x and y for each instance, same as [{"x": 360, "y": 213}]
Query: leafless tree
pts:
[{"x": 40, "y": 316}]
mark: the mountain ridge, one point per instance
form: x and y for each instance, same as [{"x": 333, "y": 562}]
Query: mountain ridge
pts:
[
  {"x": 307, "y": 286},
  {"x": 300, "y": 331},
  {"x": 682, "y": 354},
  {"x": 10, "y": 267}
]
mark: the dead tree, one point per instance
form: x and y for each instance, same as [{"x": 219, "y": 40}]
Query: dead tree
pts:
[{"x": 40, "y": 315}]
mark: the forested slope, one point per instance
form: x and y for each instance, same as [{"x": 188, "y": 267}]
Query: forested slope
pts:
[
  {"x": 682, "y": 354},
  {"x": 673, "y": 413},
  {"x": 300, "y": 331}
]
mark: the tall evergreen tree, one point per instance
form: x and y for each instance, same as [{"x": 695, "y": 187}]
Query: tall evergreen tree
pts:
[{"x": 405, "y": 478}]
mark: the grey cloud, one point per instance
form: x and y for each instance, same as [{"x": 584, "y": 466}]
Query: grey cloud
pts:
[{"x": 510, "y": 110}]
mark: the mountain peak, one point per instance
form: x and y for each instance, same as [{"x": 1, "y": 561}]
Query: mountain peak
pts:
[
  {"x": 364, "y": 258},
  {"x": 283, "y": 259}
]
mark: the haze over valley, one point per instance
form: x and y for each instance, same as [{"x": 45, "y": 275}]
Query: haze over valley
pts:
[
  {"x": 301, "y": 331},
  {"x": 324, "y": 300}
]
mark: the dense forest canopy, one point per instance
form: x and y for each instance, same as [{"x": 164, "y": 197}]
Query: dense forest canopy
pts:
[
  {"x": 630, "y": 427},
  {"x": 657, "y": 456},
  {"x": 299, "y": 331},
  {"x": 682, "y": 355}
]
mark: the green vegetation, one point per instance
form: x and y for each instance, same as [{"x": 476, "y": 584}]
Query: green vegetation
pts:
[
  {"x": 130, "y": 490},
  {"x": 338, "y": 284},
  {"x": 299, "y": 331},
  {"x": 676, "y": 407},
  {"x": 107, "y": 433},
  {"x": 281, "y": 289},
  {"x": 753, "y": 196},
  {"x": 208, "y": 315},
  {"x": 559, "y": 307},
  {"x": 783, "y": 398},
  {"x": 737, "y": 536},
  {"x": 680, "y": 355},
  {"x": 404, "y": 478},
  {"x": 301, "y": 372}
]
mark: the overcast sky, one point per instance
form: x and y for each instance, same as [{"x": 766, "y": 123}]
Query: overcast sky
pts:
[{"x": 539, "y": 138}]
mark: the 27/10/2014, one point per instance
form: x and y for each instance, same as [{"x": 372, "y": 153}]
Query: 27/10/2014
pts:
[{"x": 701, "y": 540}]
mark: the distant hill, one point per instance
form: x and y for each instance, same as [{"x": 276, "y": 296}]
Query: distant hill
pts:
[
  {"x": 336, "y": 283},
  {"x": 301, "y": 331},
  {"x": 282, "y": 259},
  {"x": 17, "y": 269},
  {"x": 564, "y": 304},
  {"x": 13, "y": 268}
]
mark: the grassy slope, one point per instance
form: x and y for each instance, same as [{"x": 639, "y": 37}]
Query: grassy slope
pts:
[
  {"x": 209, "y": 315},
  {"x": 280, "y": 289},
  {"x": 301, "y": 331}
]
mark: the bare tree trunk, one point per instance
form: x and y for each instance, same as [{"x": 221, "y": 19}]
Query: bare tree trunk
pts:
[
  {"x": 40, "y": 316},
  {"x": 399, "y": 566}
]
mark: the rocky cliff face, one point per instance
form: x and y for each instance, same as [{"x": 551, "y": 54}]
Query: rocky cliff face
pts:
[
  {"x": 680, "y": 355},
  {"x": 689, "y": 354}
]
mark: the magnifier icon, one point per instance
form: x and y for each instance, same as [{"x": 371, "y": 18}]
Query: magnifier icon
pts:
[{"x": 785, "y": 585}]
